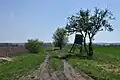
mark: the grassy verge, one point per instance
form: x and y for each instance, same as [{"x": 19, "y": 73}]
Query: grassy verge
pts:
[
  {"x": 104, "y": 65},
  {"x": 20, "y": 66}
]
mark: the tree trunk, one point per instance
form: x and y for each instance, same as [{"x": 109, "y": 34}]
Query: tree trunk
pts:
[
  {"x": 90, "y": 48},
  {"x": 60, "y": 47},
  {"x": 85, "y": 45}
]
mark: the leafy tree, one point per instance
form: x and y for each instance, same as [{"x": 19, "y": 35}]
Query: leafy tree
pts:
[
  {"x": 34, "y": 45},
  {"x": 60, "y": 37},
  {"x": 90, "y": 23},
  {"x": 99, "y": 21},
  {"x": 78, "y": 24}
]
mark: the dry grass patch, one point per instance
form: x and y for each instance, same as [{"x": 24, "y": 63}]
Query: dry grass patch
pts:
[{"x": 5, "y": 59}]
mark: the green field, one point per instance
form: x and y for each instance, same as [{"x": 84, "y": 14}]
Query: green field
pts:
[
  {"x": 20, "y": 65},
  {"x": 104, "y": 65}
]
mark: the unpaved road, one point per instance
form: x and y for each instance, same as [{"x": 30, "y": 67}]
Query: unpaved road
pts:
[
  {"x": 45, "y": 72},
  {"x": 71, "y": 74}
]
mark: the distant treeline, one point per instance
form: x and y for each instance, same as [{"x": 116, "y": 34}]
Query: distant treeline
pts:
[
  {"x": 11, "y": 44},
  {"x": 50, "y": 44}
]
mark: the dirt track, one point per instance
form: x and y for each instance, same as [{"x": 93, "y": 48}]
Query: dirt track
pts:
[
  {"x": 71, "y": 74},
  {"x": 45, "y": 72}
]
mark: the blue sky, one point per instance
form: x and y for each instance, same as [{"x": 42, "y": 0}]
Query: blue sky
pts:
[{"x": 25, "y": 19}]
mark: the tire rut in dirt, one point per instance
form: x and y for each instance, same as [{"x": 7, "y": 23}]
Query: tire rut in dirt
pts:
[
  {"x": 44, "y": 72},
  {"x": 72, "y": 75},
  {"x": 61, "y": 75}
]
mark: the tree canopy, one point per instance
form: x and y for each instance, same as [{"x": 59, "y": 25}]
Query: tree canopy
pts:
[
  {"x": 88, "y": 23},
  {"x": 60, "y": 37}
]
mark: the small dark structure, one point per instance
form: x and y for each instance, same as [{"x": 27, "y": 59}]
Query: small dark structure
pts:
[{"x": 77, "y": 42}]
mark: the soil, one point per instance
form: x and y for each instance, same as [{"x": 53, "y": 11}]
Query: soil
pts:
[
  {"x": 45, "y": 72},
  {"x": 11, "y": 51}
]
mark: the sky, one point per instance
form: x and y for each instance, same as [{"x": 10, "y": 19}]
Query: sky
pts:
[{"x": 21, "y": 20}]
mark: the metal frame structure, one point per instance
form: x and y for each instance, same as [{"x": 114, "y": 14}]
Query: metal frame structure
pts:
[{"x": 78, "y": 42}]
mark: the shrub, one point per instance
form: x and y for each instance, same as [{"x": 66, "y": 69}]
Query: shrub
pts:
[{"x": 34, "y": 45}]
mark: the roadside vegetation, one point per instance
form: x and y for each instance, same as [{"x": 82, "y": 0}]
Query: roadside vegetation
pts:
[
  {"x": 20, "y": 65},
  {"x": 60, "y": 38},
  {"x": 34, "y": 45},
  {"x": 103, "y": 66}
]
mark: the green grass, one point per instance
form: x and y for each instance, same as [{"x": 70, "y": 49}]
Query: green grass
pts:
[
  {"x": 104, "y": 65},
  {"x": 20, "y": 66},
  {"x": 57, "y": 64}
]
